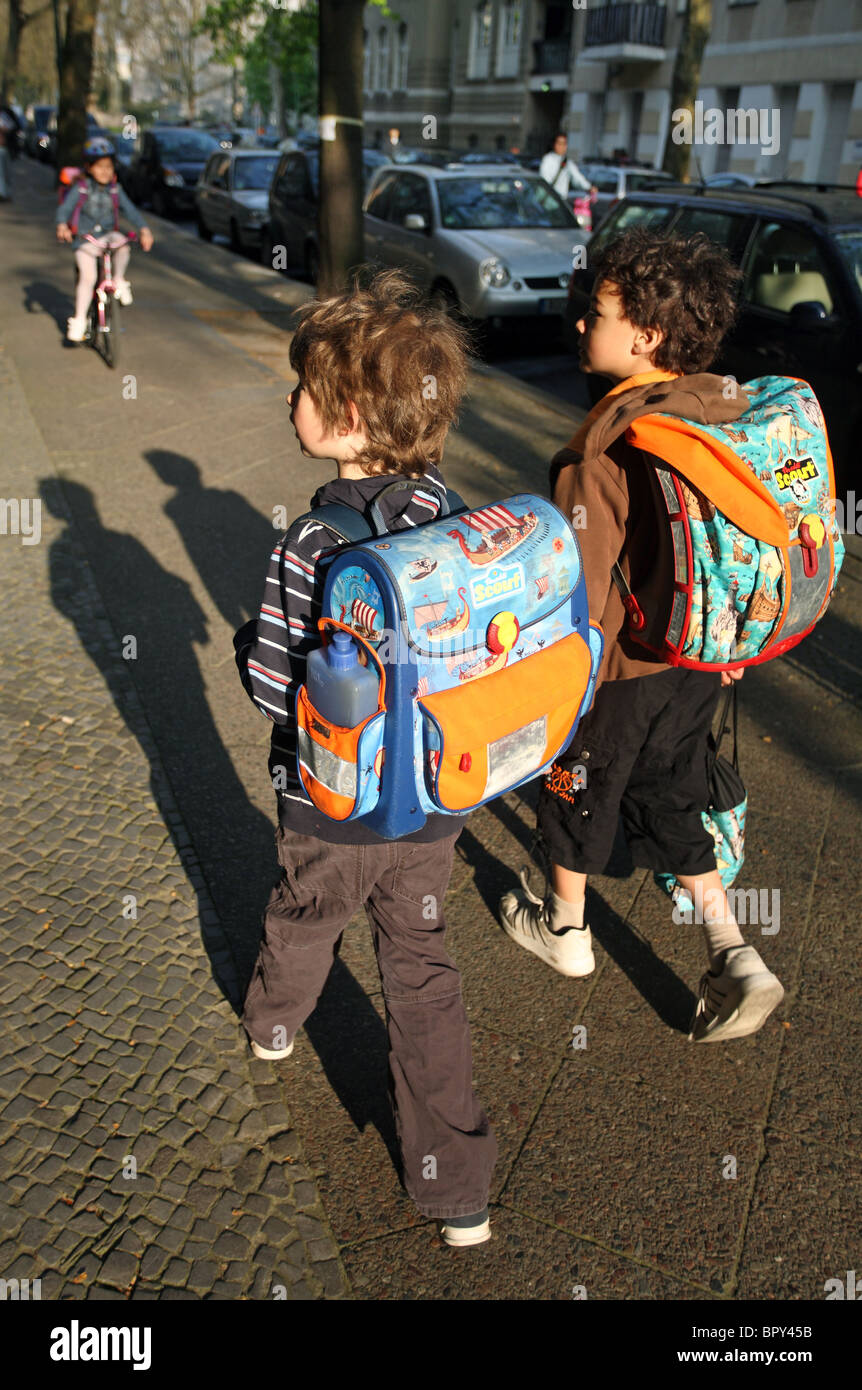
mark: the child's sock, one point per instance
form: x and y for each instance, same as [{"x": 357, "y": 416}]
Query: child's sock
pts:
[
  {"x": 720, "y": 935},
  {"x": 564, "y": 914}
]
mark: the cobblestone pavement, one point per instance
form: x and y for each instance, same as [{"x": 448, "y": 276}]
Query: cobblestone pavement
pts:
[
  {"x": 136, "y": 853},
  {"x": 148, "y": 1152}
]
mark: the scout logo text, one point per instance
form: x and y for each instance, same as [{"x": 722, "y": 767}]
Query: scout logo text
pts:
[
  {"x": 500, "y": 582},
  {"x": 796, "y": 471}
]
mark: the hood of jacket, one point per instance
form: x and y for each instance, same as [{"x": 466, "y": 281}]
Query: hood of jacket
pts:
[{"x": 411, "y": 503}]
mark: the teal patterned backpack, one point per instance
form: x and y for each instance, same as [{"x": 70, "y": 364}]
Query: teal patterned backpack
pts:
[{"x": 750, "y": 508}]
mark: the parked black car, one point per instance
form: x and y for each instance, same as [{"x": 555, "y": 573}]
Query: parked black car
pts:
[
  {"x": 166, "y": 168},
  {"x": 800, "y": 252},
  {"x": 293, "y": 207}
]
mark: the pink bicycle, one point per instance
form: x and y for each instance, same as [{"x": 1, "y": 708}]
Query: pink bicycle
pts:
[{"x": 103, "y": 317}]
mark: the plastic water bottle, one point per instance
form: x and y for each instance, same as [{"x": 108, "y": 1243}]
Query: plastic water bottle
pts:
[{"x": 341, "y": 689}]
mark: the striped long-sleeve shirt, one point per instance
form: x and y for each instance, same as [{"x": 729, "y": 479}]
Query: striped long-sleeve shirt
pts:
[{"x": 272, "y": 650}]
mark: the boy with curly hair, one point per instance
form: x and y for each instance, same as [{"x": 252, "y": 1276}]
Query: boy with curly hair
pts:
[
  {"x": 366, "y": 360},
  {"x": 659, "y": 310}
]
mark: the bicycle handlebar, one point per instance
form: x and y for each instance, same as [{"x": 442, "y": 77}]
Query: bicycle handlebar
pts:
[{"x": 127, "y": 236}]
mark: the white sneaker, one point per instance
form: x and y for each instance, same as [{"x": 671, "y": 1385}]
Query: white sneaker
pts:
[
  {"x": 527, "y": 920},
  {"x": 123, "y": 292},
  {"x": 738, "y": 1000},
  {"x": 76, "y": 330},
  {"x": 466, "y": 1230},
  {"x": 267, "y": 1054}
]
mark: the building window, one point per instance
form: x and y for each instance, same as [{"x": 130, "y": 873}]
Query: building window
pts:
[
  {"x": 509, "y": 40},
  {"x": 400, "y": 77},
  {"x": 366, "y": 61},
  {"x": 479, "y": 63},
  {"x": 381, "y": 80}
]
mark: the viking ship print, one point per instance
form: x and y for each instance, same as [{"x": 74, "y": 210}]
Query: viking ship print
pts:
[
  {"x": 421, "y": 568},
  {"x": 483, "y": 667},
  {"x": 363, "y": 619},
  {"x": 430, "y": 616},
  {"x": 500, "y": 530},
  {"x": 542, "y": 585}
]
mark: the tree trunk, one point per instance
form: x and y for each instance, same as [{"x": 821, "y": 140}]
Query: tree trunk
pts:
[
  {"x": 340, "y": 214},
  {"x": 75, "y": 80},
  {"x": 686, "y": 79},
  {"x": 13, "y": 46},
  {"x": 58, "y": 41}
]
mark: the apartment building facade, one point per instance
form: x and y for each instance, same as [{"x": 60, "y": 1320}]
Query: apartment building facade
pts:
[{"x": 504, "y": 74}]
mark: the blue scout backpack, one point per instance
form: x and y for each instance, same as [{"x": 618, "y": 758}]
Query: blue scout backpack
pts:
[
  {"x": 478, "y": 625},
  {"x": 756, "y": 546}
]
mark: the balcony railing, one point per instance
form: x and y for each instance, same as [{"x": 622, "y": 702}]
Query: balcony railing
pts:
[
  {"x": 641, "y": 24},
  {"x": 551, "y": 55}
]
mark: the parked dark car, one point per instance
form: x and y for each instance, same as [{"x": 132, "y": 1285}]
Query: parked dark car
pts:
[
  {"x": 165, "y": 170},
  {"x": 233, "y": 195},
  {"x": 293, "y": 207},
  {"x": 800, "y": 312}
]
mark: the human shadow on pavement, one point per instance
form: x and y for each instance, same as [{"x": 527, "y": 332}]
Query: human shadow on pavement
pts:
[
  {"x": 352, "y": 1043},
  {"x": 659, "y": 985},
  {"x": 43, "y": 297},
  {"x": 161, "y": 696},
  {"x": 226, "y": 538},
  {"x": 230, "y": 862}
]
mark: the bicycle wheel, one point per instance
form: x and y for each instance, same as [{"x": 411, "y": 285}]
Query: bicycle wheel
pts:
[{"x": 111, "y": 346}]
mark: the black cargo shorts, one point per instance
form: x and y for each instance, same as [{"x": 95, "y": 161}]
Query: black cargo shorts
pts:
[{"x": 640, "y": 754}]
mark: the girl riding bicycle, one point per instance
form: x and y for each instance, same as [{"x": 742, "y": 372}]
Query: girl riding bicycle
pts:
[{"x": 92, "y": 209}]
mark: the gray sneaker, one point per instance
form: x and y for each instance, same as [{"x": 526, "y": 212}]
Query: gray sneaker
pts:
[
  {"x": 529, "y": 921},
  {"x": 738, "y": 1000}
]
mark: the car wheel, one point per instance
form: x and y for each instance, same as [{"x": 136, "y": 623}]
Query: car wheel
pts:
[
  {"x": 312, "y": 262},
  {"x": 161, "y": 206},
  {"x": 235, "y": 243},
  {"x": 203, "y": 229}
]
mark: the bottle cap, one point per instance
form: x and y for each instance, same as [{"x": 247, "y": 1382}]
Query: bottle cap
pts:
[{"x": 341, "y": 652}]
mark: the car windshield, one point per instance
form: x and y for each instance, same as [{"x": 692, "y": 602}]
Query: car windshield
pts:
[
  {"x": 254, "y": 172},
  {"x": 187, "y": 144},
  {"x": 850, "y": 246},
  {"x": 501, "y": 201}
]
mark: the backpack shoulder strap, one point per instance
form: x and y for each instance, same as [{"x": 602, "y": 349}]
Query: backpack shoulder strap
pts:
[
  {"x": 352, "y": 525},
  {"x": 345, "y": 521},
  {"x": 83, "y": 193}
]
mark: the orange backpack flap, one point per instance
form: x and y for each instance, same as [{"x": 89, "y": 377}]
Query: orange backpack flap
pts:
[
  {"x": 716, "y": 471},
  {"x": 476, "y": 721}
]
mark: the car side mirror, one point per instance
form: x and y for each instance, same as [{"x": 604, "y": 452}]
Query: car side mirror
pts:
[
  {"x": 810, "y": 314},
  {"x": 415, "y": 222}
]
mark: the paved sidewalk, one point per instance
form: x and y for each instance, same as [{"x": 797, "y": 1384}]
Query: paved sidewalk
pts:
[{"x": 150, "y": 1155}]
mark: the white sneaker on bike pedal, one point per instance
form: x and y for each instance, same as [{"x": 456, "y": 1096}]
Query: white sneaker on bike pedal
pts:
[
  {"x": 76, "y": 330},
  {"x": 123, "y": 292},
  {"x": 530, "y": 921}
]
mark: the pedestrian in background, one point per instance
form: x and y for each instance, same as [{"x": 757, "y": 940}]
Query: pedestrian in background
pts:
[{"x": 561, "y": 172}]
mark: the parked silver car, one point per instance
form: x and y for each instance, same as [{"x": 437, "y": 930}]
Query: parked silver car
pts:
[
  {"x": 493, "y": 242},
  {"x": 232, "y": 195}
]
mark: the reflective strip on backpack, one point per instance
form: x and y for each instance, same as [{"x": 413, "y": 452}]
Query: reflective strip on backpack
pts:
[{"x": 332, "y": 772}]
